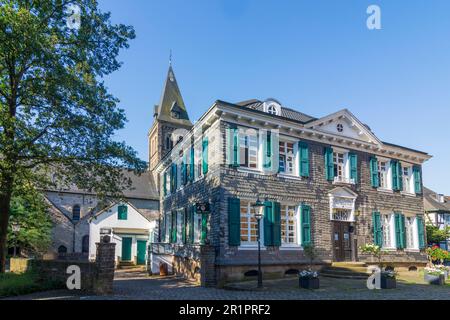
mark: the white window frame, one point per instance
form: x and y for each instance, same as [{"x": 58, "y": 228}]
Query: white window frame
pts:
[
  {"x": 294, "y": 156},
  {"x": 180, "y": 218},
  {"x": 245, "y": 133},
  {"x": 345, "y": 178},
  {"x": 296, "y": 219},
  {"x": 168, "y": 223},
  {"x": 250, "y": 244},
  {"x": 408, "y": 181},
  {"x": 411, "y": 232},
  {"x": 391, "y": 223},
  {"x": 197, "y": 228},
  {"x": 198, "y": 160}
]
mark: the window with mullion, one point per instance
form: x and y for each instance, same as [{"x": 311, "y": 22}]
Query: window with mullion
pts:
[
  {"x": 386, "y": 222},
  {"x": 249, "y": 227},
  {"x": 289, "y": 231},
  {"x": 339, "y": 168},
  {"x": 383, "y": 168},
  {"x": 409, "y": 228},
  {"x": 407, "y": 178},
  {"x": 287, "y": 157},
  {"x": 248, "y": 148}
]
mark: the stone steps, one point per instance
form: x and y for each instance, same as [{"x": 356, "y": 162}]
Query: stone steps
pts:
[{"x": 346, "y": 270}]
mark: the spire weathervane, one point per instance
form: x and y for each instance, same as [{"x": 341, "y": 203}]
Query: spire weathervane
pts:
[{"x": 170, "y": 58}]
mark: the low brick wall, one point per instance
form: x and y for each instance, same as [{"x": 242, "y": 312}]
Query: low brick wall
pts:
[
  {"x": 56, "y": 271},
  {"x": 96, "y": 277}
]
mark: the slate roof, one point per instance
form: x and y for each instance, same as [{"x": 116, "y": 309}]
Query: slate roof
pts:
[
  {"x": 143, "y": 187},
  {"x": 431, "y": 203},
  {"x": 285, "y": 112},
  {"x": 171, "y": 99}
]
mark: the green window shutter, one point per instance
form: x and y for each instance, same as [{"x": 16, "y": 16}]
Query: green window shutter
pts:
[
  {"x": 305, "y": 224},
  {"x": 174, "y": 227},
  {"x": 192, "y": 165},
  {"x": 267, "y": 150},
  {"x": 377, "y": 232},
  {"x": 400, "y": 231},
  {"x": 204, "y": 228},
  {"x": 353, "y": 157},
  {"x": 233, "y": 146},
  {"x": 183, "y": 171},
  {"x": 374, "y": 172},
  {"x": 234, "y": 222},
  {"x": 268, "y": 224},
  {"x": 329, "y": 166},
  {"x": 421, "y": 232},
  {"x": 191, "y": 222},
  {"x": 122, "y": 212},
  {"x": 395, "y": 185},
  {"x": 185, "y": 226},
  {"x": 303, "y": 152},
  {"x": 205, "y": 155},
  {"x": 173, "y": 178},
  {"x": 400, "y": 176},
  {"x": 165, "y": 184},
  {"x": 417, "y": 180},
  {"x": 276, "y": 208}
]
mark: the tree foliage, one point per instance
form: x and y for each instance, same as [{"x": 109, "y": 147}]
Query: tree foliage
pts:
[
  {"x": 57, "y": 118},
  {"x": 29, "y": 212},
  {"x": 436, "y": 235}
]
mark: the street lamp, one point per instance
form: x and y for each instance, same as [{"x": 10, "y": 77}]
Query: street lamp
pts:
[
  {"x": 15, "y": 229},
  {"x": 259, "y": 214}
]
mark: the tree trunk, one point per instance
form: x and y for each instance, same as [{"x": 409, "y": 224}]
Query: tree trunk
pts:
[{"x": 5, "y": 202}]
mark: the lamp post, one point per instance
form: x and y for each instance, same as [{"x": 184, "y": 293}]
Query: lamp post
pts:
[{"x": 259, "y": 214}]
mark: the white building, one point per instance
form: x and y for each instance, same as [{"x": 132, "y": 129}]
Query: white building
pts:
[{"x": 128, "y": 228}]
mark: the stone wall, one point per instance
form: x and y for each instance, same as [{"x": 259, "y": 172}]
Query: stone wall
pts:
[{"x": 96, "y": 277}]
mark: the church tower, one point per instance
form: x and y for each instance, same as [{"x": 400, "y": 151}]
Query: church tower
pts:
[{"x": 169, "y": 116}]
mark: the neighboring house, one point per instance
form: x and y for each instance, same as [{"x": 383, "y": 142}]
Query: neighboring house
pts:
[
  {"x": 325, "y": 181},
  {"x": 72, "y": 211},
  {"x": 437, "y": 209},
  {"x": 130, "y": 230}
]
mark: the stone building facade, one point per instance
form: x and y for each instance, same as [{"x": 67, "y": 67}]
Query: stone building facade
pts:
[{"x": 325, "y": 182}]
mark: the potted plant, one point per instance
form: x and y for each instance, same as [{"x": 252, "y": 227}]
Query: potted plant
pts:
[
  {"x": 388, "y": 277},
  {"x": 434, "y": 276},
  {"x": 309, "y": 279}
]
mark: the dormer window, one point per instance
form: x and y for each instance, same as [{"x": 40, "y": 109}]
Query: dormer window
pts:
[
  {"x": 175, "y": 115},
  {"x": 272, "y": 110},
  {"x": 272, "y": 107}
]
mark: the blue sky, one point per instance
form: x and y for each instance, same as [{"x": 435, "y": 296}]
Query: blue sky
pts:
[{"x": 315, "y": 56}]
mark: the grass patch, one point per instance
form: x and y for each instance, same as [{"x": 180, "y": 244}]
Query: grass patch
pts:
[{"x": 14, "y": 284}]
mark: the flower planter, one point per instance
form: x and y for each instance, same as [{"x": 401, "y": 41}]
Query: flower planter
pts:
[
  {"x": 309, "y": 283},
  {"x": 388, "y": 282},
  {"x": 435, "y": 279}
]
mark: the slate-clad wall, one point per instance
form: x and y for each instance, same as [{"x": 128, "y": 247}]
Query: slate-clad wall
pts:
[{"x": 312, "y": 191}]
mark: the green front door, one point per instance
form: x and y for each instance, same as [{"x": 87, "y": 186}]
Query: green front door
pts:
[
  {"x": 126, "y": 249},
  {"x": 141, "y": 250}
]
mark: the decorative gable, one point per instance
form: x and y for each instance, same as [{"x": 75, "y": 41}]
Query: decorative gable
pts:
[{"x": 344, "y": 123}]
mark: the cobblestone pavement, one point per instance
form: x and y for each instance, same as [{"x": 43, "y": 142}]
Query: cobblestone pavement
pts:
[{"x": 140, "y": 287}]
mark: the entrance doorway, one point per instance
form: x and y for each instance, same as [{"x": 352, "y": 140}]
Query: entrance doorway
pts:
[
  {"x": 126, "y": 249},
  {"x": 141, "y": 252},
  {"x": 342, "y": 241}
]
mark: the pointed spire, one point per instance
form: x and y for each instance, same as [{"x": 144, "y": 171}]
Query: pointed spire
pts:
[{"x": 171, "y": 107}]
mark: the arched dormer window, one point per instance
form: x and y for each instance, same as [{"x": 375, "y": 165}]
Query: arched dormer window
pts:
[
  {"x": 272, "y": 110},
  {"x": 76, "y": 211},
  {"x": 272, "y": 107}
]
